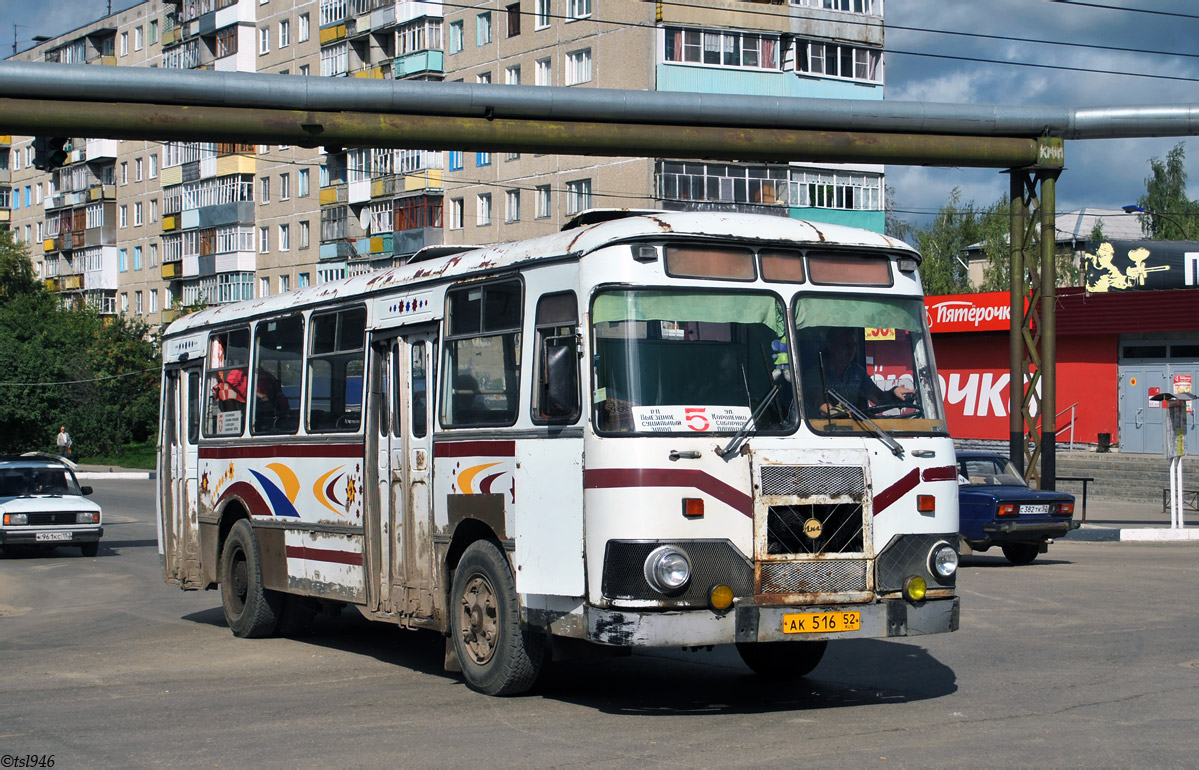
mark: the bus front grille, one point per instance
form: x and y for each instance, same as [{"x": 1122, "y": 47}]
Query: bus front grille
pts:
[
  {"x": 814, "y": 529},
  {"x": 805, "y": 577},
  {"x": 813, "y": 481}
]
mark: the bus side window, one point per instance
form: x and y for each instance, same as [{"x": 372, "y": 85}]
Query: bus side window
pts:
[
  {"x": 278, "y": 353},
  {"x": 480, "y": 378},
  {"x": 420, "y": 390},
  {"x": 228, "y": 364},
  {"x": 556, "y": 322},
  {"x": 335, "y": 371},
  {"x": 193, "y": 407}
]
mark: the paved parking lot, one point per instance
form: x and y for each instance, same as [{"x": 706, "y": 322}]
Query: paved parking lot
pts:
[{"x": 1088, "y": 656}]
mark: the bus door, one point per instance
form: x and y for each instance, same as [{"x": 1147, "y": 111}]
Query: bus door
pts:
[
  {"x": 403, "y": 476},
  {"x": 179, "y": 485}
]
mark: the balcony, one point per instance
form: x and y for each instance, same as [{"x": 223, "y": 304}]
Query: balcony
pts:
[
  {"x": 333, "y": 33},
  {"x": 374, "y": 73},
  {"x": 172, "y": 270},
  {"x": 172, "y": 36},
  {"x": 169, "y": 223},
  {"x": 70, "y": 283},
  {"x": 106, "y": 192},
  {"x": 51, "y": 284},
  {"x": 50, "y": 245},
  {"x": 418, "y": 63},
  {"x": 228, "y": 165},
  {"x": 334, "y": 194}
]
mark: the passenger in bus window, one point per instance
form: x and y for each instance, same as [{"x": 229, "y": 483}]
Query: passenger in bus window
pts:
[
  {"x": 230, "y": 389},
  {"x": 844, "y": 373}
]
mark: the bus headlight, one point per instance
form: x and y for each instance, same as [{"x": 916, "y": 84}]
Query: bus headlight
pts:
[
  {"x": 943, "y": 560},
  {"x": 667, "y": 569}
]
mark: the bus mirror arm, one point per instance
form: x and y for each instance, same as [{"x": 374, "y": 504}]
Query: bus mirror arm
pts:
[{"x": 863, "y": 418}]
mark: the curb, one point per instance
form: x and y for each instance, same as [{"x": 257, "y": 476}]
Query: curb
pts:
[
  {"x": 116, "y": 475},
  {"x": 1094, "y": 534}
]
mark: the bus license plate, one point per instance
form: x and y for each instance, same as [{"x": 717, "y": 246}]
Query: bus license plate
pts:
[
  {"x": 821, "y": 622},
  {"x": 42, "y": 537}
]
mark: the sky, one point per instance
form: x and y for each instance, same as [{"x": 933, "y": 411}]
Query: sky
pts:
[{"x": 1106, "y": 173}]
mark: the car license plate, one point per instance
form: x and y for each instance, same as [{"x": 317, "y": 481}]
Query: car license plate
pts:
[
  {"x": 821, "y": 622},
  {"x": 43, "y": 537},
  {"x": 1038, "y": 508}
]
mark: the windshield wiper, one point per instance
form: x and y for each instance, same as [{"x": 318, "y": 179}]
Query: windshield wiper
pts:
[
  {"x": 863, "y": 418},
  {"x": 750, "y": 424}
]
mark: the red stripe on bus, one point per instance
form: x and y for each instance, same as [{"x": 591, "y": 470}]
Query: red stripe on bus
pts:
[
  {"x": 248, "y": 494},
  {"x": 942, "y": 473},
  {"x": 324, "y": 554},
  {"x": 888, "y": 496},
  {"x": 474, "y": 449},
  {"x": 627, "y": 478},
  {"x": 281, "y": 450}
]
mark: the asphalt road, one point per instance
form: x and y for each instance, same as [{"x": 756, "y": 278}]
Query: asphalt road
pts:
[{"x": 1087, "y": 657}]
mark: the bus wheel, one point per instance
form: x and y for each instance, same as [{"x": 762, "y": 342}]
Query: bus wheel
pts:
[
  {"x": 497, "y": 656},
  {"x": 782, "y": 660},
  {"x": 250, "y": 610}
]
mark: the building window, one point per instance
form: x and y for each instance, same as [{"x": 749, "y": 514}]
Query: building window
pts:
[
  {"x": 284, "y": 187},
  {"x": 456, "y": 214},
  {"x": 124, "y": 44},
  {"x": 578, "y": 196},
  {"x": 305, "y": 70},
  {"x": 302, "y": 183},
  {"x": 153, "y": 301},
  {"x": 137, "y": 38},
  {"x": 483, "y": 29},
  {"x": 285, "y": 33},
  {"x": 284, "y": 283},
  {"x": 455, "y": 37},
  {"x": 226, "y": 41},
  {"x": 154, "y": 166},
  {"x": 578, "y": 67},
  {"x": 123, "y": 261},
  {"x": 284, "y": 238},
  {"x": 482, "y": 159},
  {"x": 838, "y": 61},
  {"x": 542, "y": 194},
  {"x": 153, "y": 255},
  {"x": 264, "y": 240},
  {"x": 304, "y": 234},
  {"x": 544, "y": 75},
  {"x": 721, "y": 48},
  {"x": 483, "y": 209},
  {"x": 512, "y": 206},
  {"x": 541, "y": 14},
  {"x": 124, "y": 173},
  {"x": 867, "y": 7},
  {"x": 455, "y": 160},
  {"x": 123, "y": 218},
  {"x": 137, "y": 169},
  {"x": 302, "y": 280},
  {"x": 483, "y": 77},
  {"x": 153, "y": 210},
  {"x": 265, "y": 190},
  {"x": 335, "y": 60},
  {"x": 302, "y": 29},
  {"x": 513, "y": 12},
  {"x": 137, "y": 257},
  {"x": 264, "y": 287},
  {"x": 578, "y": 9},
  {"x": 264, "y": 40},
  {"x": 153, "y": 34},
  {"x": 512, "y": 75},
  {"x": 137, "y": 214}
]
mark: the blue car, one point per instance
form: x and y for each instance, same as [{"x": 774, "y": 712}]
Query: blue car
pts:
[{"x": 997, "y": 507}]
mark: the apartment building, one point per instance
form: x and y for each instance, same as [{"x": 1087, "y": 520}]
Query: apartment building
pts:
[{"x": 147, "y": 227}]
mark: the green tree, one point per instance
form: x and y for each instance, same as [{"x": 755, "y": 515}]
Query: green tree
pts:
[
  {"x": 67, "y": 365},
  {"x": 1171, "y": 216},
  {"x": 944, "y": 241}
]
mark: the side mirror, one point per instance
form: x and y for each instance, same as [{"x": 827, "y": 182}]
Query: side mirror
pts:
[
  {"x": 85, "y": 490},
  {"x": 560, "y": 389}
]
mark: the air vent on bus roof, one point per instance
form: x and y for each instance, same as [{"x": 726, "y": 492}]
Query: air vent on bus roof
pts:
[
  {"x": 433, "y": 252},
  {"x": 594, "y": 216}
]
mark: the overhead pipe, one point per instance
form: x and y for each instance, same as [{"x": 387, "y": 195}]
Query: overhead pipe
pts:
[
  {"x": 355, "y": 129},
  {"x": 81, "y": 82}
]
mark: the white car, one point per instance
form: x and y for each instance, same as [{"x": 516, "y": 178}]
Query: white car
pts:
[{"x": 42, "y": 505}]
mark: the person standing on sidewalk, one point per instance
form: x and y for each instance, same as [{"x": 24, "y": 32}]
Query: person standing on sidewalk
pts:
[{"x": 64, "y": 442}]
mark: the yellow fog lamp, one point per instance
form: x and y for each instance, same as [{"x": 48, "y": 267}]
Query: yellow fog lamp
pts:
[
  {"x": 914, "y": 588},
  {"x": 720, "y": 598}
]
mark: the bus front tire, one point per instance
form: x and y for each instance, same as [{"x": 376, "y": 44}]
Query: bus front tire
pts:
[
  {"x": 251, "y": 611},
  {"x": 497, "y": 656},
  {"x": 782, "y": 660}
]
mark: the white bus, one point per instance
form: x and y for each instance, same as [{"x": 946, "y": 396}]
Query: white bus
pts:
[{"x": 651, "y": 429}]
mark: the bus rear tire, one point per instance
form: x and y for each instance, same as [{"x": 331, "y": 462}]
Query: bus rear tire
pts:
[
  {"x": 251, "y": 611},
  {"x": 497, "y": 656},
  {"x": 782, "y": 660}
]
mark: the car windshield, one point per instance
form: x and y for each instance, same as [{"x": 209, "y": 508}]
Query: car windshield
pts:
[
  {"x": 679, "y": 361},
  {"x": 989, "y": 471},
  {"x": 872, "y": 352},
  {"x": 17, "y": 482}
]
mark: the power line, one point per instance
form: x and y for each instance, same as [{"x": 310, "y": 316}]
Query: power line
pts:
[
  {"x": 1058, "y": 67},
  {"x": 77, "y": 382},
  {"x": 1082, "y": 4}
]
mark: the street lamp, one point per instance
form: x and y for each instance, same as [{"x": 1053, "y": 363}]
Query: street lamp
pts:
[{"x": 1132, "y": 208}]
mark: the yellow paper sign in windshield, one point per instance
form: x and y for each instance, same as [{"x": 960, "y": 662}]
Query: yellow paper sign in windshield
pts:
[{"x": 880, "y": 335}]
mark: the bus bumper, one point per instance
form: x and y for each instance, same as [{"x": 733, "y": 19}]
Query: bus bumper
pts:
[{"x": 752, "y": 623}]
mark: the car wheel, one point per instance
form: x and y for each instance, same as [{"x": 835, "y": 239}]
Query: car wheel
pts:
[
  {"x": 781, "y": 660},
  {"x": 497, "y": 656},
  {"x": 1021, "y": 553},
  {"x": 250, "y": 610},
  {"x": 90, "y": 549}
]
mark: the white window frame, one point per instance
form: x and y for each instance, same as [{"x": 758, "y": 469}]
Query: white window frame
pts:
[
  {"x": 578, "y": 9},
  {"x": 264, "y": 240},
  {"x": 578, "y": 66},
  {"x": 285, "y": 237},
  {"x": 544, "y": 69},
  {"x": 456, "y": 214},
  {"x": 284, "y": 33},
  {"x": 541, "y": 14},
  {"x": 578, "y": 196},
  {"x": 512, "y": 75},
  {"x": 303, "y": 29},
  {"x": 543, "y": 196},
  {"x": 512, "y": 206},
  {"x": 483, "y": 209},
  {"x": 264, "y": 40},
  {"x": 483, "y": 34}
]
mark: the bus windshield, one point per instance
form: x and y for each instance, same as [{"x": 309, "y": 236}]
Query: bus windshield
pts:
[
  {"x": 681, "y": 361},
  {"x": 873, "y": 353}
]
